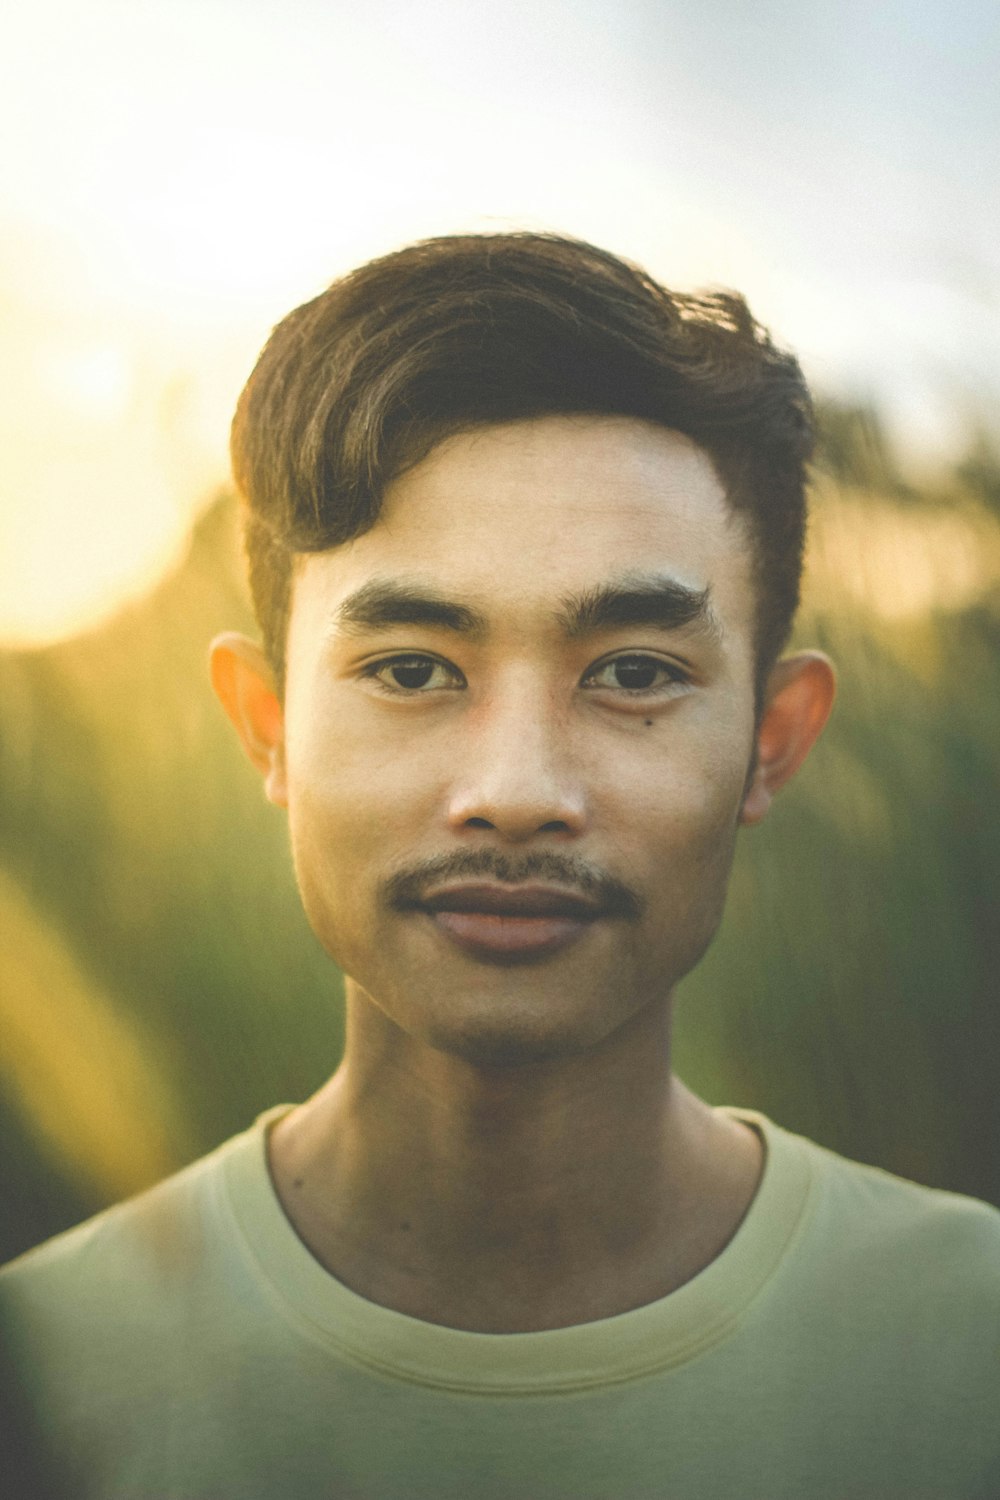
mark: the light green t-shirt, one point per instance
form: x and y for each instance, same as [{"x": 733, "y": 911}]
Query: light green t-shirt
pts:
[{"x": 844, "y": 1346}]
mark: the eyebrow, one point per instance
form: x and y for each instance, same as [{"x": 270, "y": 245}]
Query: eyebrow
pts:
[
  {"x": 382, "y": 603},
  {"x": 656, "y": 601}
]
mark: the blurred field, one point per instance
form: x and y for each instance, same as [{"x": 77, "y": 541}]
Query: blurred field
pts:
[{"x": 159, "y": 985}]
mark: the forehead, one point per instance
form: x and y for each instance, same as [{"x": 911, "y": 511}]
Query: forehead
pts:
[{"x": 510, "y": 517}]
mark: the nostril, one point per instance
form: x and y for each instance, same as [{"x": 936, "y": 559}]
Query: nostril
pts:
[{"x": 479, "y": 823}]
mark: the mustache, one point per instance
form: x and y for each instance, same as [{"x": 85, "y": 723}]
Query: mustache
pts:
[{"x": 405, "y": 889}]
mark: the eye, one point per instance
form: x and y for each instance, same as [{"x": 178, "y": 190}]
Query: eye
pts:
[
  {"x": 634, "y": 673},
  {"x": 413, "y": 674}
]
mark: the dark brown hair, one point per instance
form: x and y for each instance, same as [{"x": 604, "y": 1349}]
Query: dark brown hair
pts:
[{"x": 361, "y": 383}]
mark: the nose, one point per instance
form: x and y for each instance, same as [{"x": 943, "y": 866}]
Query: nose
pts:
[{"x": 515, "y": 771}]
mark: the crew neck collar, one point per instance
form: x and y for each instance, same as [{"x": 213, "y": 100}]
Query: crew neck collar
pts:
[{"x": 662, "y": 1334}]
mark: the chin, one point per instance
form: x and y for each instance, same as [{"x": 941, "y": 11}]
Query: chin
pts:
[
  {"x": 513, "y": 1041},
  {"x": 501, "y": 1052}
]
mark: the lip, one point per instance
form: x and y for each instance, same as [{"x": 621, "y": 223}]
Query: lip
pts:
[
  {"x": 510, "y": 924},
  {"x": 510, "y": 940},
  {"x": 528, "y": 900}
]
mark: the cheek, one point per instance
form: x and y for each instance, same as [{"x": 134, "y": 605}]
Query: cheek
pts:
[
  {"x": 682, "y": 809},
  {"x": 334, "y": 835},
  {"x": 686, "y": 786},
  {"x": 337, "y": 808},
  {"x": 695, "y": 838},
  {"x": 353, "y": 806}
]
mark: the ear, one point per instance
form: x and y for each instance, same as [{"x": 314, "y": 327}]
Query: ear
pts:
[
  {"x": 244, "y": 685},
  {"x": 799, "y": 697}
]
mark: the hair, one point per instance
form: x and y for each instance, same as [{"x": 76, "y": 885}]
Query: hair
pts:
[{"x": 450, "y": 334}]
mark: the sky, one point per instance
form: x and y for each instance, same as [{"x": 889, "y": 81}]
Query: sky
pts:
[{"x": 176, "y": 175}]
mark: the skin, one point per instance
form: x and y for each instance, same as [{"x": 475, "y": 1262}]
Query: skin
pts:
[{"x": 505, "y": 1147}]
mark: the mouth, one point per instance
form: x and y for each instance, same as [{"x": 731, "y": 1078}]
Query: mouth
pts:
[{"x": 510, "y": 924}]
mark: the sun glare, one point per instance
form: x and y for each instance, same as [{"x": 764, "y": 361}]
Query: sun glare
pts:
[
  {"x": 178, "y": 180},
  {"x": 92, "y": 382}
]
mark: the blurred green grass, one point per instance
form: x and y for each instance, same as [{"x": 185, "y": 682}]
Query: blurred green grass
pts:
[{"x": 159, "y": 985}]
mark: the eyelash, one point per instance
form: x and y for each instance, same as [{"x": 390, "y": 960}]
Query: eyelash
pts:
[{"x": 676, "y": 675}]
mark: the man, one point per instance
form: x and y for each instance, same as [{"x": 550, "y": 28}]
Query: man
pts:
[{"x": 525, "y": 534}]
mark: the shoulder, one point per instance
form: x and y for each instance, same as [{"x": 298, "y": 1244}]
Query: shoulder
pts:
[
  {"x": 859, "y": 1207},
  {"x": 852, "y": 1225},
  {"x": 891, "y": 1211},
  {"x": 95, "y": 1323},
  {"x": 159, "y": 1238},
  {"x": 890, "y": 1243}
]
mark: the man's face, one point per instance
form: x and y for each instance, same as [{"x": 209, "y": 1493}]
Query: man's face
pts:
[{"x": 519, "y": 717}]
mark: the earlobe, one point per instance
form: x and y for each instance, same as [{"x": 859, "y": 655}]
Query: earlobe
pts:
[
  {"x": 800, "y": 694},
  {"x": 244, "y": 684}
]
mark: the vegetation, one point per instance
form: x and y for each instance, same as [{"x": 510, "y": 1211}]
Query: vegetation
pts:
[{"x": 159, "y": 985}]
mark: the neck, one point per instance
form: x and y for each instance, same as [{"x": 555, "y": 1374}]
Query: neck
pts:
[{"x": 516, "y": 1198}]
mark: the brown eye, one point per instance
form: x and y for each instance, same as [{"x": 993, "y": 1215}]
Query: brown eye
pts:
[
  {"x": 639, "y": 673},
  {"x": 636, "y": 673},
  {"x": 413, "y": 673}
]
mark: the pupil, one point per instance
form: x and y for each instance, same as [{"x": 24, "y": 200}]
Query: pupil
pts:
[
  {"x": 634, "y": 672},
  {"x": 413, "y": 674}
]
